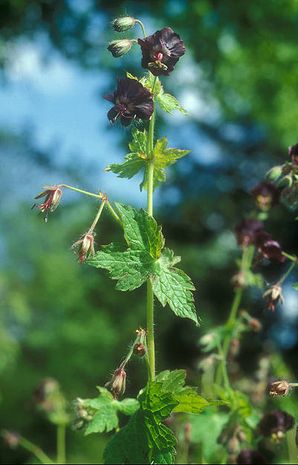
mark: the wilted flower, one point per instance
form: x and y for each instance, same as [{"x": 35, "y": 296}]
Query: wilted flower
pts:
[
  {"x": 131, "y": 101},
  {"x": 250, "y": 456},
  {"x": 124, "y": 23},
  {"x": 279, "y": 388},
  {"x": 117, "y": 385},
  {"x": 161, "y": 51},
  {"x": 247, "y": 230},
  {"x": 266, "y": 195},
  {"x": 275, "y": 424},
  {"x": 273, "y": 296},
  {"x": 85, "y": 246},
  {"x": 119, "y": 48},
  {"x": 52, "y": 196},
  {"x": 11, "y": 439},
  {"x": 293, "y": 152},
  {"x": 269, "y": 248}
]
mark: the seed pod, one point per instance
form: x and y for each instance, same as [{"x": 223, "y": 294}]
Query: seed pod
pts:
[{"x": 139, "y": 349}]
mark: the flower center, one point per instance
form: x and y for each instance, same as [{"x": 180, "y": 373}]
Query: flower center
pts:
[{"x": 158, "y": 56}]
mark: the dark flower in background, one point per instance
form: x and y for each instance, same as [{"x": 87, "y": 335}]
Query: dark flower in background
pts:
[
  {"x": 161, "y": 51},
  {"x": 293, "y": 152},
  {"x": 131, "y": 101},
  {"x": 273, "y": 296},
  {"x": 275, "y": 424},
  {"x": 269, "y": 248},
  {"x": 52, "y": 196},
  {"x": 266, "y": 195},
  {"x": 248, "y": 456},
  {"x": 247, "y": 230}
]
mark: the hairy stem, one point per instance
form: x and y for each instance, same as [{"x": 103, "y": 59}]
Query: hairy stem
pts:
[
  {"x": 247, "y": 257},
  {"x": 36, "y": 451},
  {"x": 138, "y": 21},
  {"x": 81, "y": 191},
  {"x": 96, "y": 219},
  {"x": 150, "y": 296},
  {"x": 287, "y": 273},
  {"x": 61, "y": 454}
]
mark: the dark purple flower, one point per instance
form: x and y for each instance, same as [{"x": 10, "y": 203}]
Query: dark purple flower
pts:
[
  {"x": 293, "y": 152},
  {"x": 269, "y": 248},
  {"x": 161, "y": 51},
  {"x": 266, "y": 195},
  {"x": 247, "y": 230},
  {"x": 276, "y": 423},
  {"x": 248, "y": 456},
  {"x": 131, "y": 101}
]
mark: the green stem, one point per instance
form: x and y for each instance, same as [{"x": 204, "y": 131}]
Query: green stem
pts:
[
  {"x": 142, "y": 27},
  {"x": 292, "y": 448},
  {"x": 150, "y": 296},
  {"x": 96, "y": 219},
  {"x": 289, "y": 271},
  {"x": 290, "y": 257},
  {"x": 81, "y": 191},
  {"x": 61, "y": 453},
  {"x": 35, "y": 450},
  {"x": 113, "y": 213}
]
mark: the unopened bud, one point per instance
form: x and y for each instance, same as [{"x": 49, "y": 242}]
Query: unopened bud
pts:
[
  {"x": 293, "y": 152},
  {"x": 255, "y": 325},
  {"x": 11, "y": 439},
  {"x": 273, "y": 295},
  {"x": 187, "y": 432},
  {"x": 123, "y": 24},
  {"x": 139, "y": 349},
  {"x": 238, "y": 280},
  {"x": 279, "y": 388},
  {"x": 118, "y": 48},
  {"x": 274, "y": 173}
]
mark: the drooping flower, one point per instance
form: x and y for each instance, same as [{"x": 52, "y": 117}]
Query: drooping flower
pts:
[
  {"x": 161, "y": 51},
  {"x": 293, "y": 152},
  {"x": 266, "y": 195},
  {"x": 269, "y": 248},
  {"x": 52, "y": 196},
  {"x": 275, "y": 424},
  {"x": 85, "y": 246},
  {"x": 250, "y": 456},
  {"x": 273, "y": 296},
  {"x": 117, "y": 384},
  {"x": 247, "y": 230},
  {"x": 131, "y": 101}
]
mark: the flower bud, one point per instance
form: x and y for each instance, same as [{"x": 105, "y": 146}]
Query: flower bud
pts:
[
  {"x": 85, "y": 247},
  {"x": 272, "y": 296},
  {"x": 117, "y": 384},
  {"x": 118, "y": 48},
  {"x": 239, "y": 280},
  {"x": 255, "y": 325},
  {"x": 52, "y": 196},
  {"x": 279, "y": 388},
  {"x": 139, "y": 349},
  {"x": 274, "y": 173},
  {"x": 11, "y": 439},
  {"x": 187, "y": 432},
  {"x": 123, "y": 24}
]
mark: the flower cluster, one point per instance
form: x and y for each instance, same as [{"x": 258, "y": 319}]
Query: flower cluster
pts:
[{"x": 160, "y": 53}]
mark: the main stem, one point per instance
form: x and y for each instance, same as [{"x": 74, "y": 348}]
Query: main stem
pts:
[
  {"x": 150, "y": 295},
  {"x": 61, "y": 454}
]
